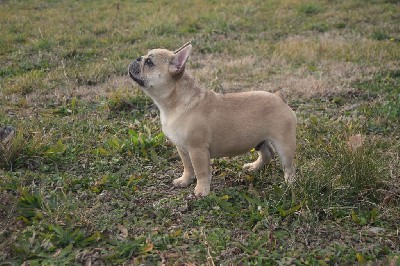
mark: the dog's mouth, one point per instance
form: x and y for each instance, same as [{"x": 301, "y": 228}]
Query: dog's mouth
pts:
[
  {"x": 132, "y": 75},
  {"x": 137, "y": 80}
]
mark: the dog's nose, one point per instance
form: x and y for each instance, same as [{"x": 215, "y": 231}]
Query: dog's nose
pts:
[{"x": 139, "y": 59}]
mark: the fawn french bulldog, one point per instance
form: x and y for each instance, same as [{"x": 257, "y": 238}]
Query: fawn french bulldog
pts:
[{"x": 204, "y": 124}]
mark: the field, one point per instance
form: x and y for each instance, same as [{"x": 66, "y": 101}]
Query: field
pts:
[{"x": 88, "y": 176}]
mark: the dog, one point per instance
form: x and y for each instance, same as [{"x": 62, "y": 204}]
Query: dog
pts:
[{"x": 205, "y": 125}]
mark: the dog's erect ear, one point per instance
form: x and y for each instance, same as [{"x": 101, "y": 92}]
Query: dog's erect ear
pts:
[{"x": 179, "y": 61}]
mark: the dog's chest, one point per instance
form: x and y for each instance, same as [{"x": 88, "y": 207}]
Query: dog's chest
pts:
[{"x": 174, "y": 133}]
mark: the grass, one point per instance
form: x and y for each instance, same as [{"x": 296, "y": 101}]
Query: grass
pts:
[{"x": 88, "y": 176}]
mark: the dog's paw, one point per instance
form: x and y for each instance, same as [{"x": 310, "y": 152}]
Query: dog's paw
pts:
[
  {"x": 251, "y": 167},
  {"x": 201, "y": 190},
  {"x": 182, "y": 182}
]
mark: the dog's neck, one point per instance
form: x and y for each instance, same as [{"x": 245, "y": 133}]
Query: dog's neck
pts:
[{"x": 184, "y": 94}]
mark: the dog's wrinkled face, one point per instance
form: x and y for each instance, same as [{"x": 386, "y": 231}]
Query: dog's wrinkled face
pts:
[
  {"x": 159, "y": 67},
  {"x": 151, "y": 69}
]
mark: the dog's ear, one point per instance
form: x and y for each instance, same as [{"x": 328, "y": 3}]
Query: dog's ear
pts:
[{"x": 180, "y": 58}]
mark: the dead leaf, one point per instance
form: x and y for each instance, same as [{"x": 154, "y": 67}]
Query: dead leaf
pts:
[
  {"x": 123, "y": 230},
  {"x": 373, "y": 231},
  {"x": 225, "y": 197},
  {"x": 149, "y": 247},
  {"x": 355, "y": 141},
  {"x": 360, "y": 258},
  {"x": 58, "y": 251},
  {"x": 177, "y": 232}
]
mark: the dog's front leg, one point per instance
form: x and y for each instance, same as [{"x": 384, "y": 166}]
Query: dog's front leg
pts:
[
  {"x": 188, "y": 172},
  {"x": 200, "y": 158}
]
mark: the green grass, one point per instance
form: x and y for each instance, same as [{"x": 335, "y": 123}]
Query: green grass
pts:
[{"x": 88, "y": 177}]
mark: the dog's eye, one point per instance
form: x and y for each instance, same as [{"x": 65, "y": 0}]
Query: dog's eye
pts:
[{"x": 149, "y": 62}]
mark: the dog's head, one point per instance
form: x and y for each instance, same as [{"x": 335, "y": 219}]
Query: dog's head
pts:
[{"x": 159, "y": 68}]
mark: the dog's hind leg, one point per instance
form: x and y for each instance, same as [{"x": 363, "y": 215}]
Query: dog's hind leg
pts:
[
  {"x": 286, "y": 147},
  {"x": 265, "y": 154}
]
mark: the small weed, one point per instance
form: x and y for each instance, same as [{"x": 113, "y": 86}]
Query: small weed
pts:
[
  {"x": 68, "y": 107},
  {"x": 319, "y": 27},
  {"x": 124, "y": 250},
  {"x": 144, "y": 140},
  {"x": 121, "y": 101},
  {"x": 42, "y": 45},
  {"x": 11, "y": 151},
  {"x": 30, "y": 82},
  {"x": 340, "y": 25},
  {"x": 56, "y": 150},
  {"x": 310, "y": 9},
  {"x": 143, "y": 143},
  {"x": 380, "y": 35},
  {"x": 29, "y": 206}
]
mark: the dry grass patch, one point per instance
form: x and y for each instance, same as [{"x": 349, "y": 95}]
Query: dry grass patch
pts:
[
  {"x": 335, "y": 48},
  {"x": 252, "y": 73},
  {"x": 59, "y": 95}
]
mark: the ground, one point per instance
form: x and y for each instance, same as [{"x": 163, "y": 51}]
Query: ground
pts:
[{"x": 88, "y": 176}]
